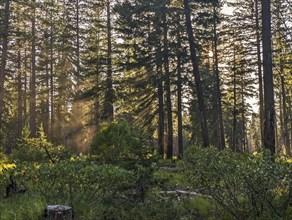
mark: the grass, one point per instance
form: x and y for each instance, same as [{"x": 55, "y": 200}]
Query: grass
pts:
[{"x": 26, "y": 206}]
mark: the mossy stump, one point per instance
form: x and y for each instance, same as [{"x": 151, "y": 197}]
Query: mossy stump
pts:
[{"x": 58, "y": 212}]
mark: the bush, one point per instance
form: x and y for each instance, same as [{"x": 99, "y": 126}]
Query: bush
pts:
[
  {"x": 77, "y": 183},
  {"x": 38, "y": 149},
  {"x": 246, "y": 186},
  {"x": 118, "y": 143},
  {"x": 126, "y": 146}
]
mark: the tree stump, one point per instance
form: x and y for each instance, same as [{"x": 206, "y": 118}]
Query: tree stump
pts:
[{"x": 58, "y": 212}]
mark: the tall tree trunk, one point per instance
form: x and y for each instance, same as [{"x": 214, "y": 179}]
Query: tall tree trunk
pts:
[
  {"x": 77, "y": 49},
  {"x": 269, "y": 119},
  {"x": 281, "y": 141},
  {"x": 160, "y": 90},
  {"x": 46, "y": 119},
  {"x": 97, "y": 98},
  {"x": 77, "y": 107},
  {"x": 160, "y": 112},
  {"x": 285, "y": 116},
  {"x": 160, "y": 95},
  {"x": 289, "y": 101},
  {"x": 234, "y": 136},
  {"x": 33, "y": 127},
  {"x": 52, "y": 106},
  {"x": 4, "y": 60},
  {"x": 167, "y": 86},
  {"x": 46, "y": 114},
  {"x": 179, "y": 93},
  {"x": 244, "y": 140},
  {"x": 109, "y": 96},
  {"x": 260, "y": 77},
  {"x": 25, "y": 88},
  {"x": 196, "y": 73},
  {"x": 19, "y": 94},
  {"x": 221, "y": 136}
]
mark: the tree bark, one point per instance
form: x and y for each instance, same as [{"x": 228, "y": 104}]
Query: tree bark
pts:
[
  {"x": 33, "y": 127},
  {"x": 4, "y": 60},
  {"x": 244, "y": 140},
  {"x": 25, "y": 87},
  {"x": 179, "y": 93},
  {"x": 234, "y": 136},
  {"x": 167, "y": 86},
  {"x": 52, "y": 106},
  {"x": 77, "y": 107},
  {"x": 221, "y": 137},
  {"x": 285, "y": 116},
  {"x": 97, "y": 98},
  {"x": 19, "y": 94},
  {"x": 196, "y": 73},
  {"x": 260, "y": 75},
  {"x": 269, "y": 116},
  {"x": 109, "y": 96},
  {"x": 160, "y": 90}
]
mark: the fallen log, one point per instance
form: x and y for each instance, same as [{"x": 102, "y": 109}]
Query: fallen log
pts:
[{"x": 184, "y": 193}]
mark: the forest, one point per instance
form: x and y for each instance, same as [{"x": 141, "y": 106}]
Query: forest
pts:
[{"x": 146, "y": 109}]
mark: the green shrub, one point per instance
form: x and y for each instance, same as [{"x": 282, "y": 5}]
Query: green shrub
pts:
[
  {"x": 119, "y": 143},
  {"x": 71, "y": 181},
  {"x": 246, "y": 186},
  {"x": 126, "y": 146},
  {"x": 38, "y": 149}
]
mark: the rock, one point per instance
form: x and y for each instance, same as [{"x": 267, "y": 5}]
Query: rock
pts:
[{"x": 58, "y": 212}]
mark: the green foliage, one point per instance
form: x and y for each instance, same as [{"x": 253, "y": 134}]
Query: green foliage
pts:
[
  {"x": 38, "y": 149},
  {"x": 26, "y": 206},
  {"x": 246, "y": 186},
  {"x": 119, "y": 143},
  {"x": 126, "y": 146},
  {"x": 72, "y": 181}
]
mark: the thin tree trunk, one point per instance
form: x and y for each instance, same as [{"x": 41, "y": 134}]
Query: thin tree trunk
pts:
[
  {"x": 281, "y": 141},
  {"x": 167, "y": 86},
  {"x": 77, "y": 48},
  {"x": 243, "y": 119},
  {"x": 160, "y": 95},
  {"x": 179, "y": 94},
  {"x": 196, "y": 73},
  {"x": 260, "y": 77},
  {"x": 276, "y": 136},
  {"x": 290, "y": 114},
  {"x": 52, "y": 121},
  {"x": 46, "y": 114},
  {"x": 77, "y": 106},
  {"x": 285, "y": 116},
  {"x": 234, "y": 136},
  {"x": 46, "y": 119},
  {"x": 33, "y": 127},
  {"x": 269, "y": 119},
  {"x": 160, "y": 112},
  {"x": 25, "y": 88},
  {"x": 109, "y": 96},
  {"x": 19, "y": 94},
  {"x": 97, "y": 98},
  {"x": 218, "y": 90},
  {"x": 160, "y": 91},
  {"x": 4, "y": 60}
]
